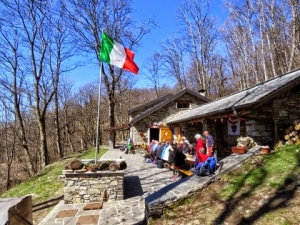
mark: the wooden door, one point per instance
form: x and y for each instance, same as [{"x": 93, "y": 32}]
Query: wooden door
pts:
[
  {"x": 165, "y": 134},
  {"x": 177, "y": 133}
]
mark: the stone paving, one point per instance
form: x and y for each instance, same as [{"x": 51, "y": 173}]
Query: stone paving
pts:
[{"x": 147, "y": 191}]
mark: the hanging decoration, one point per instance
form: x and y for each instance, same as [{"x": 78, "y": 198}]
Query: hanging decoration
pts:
[
  {"x": 234, "y": 126},
  {"x": 158, "y": 125}
]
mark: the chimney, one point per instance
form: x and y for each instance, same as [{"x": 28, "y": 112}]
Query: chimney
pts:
[{"x": 202, "y": 92}]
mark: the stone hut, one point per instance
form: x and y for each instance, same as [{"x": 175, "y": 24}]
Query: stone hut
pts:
[
  {"x": 263, "y": 112},
  {"x": 148, "y": 121}
]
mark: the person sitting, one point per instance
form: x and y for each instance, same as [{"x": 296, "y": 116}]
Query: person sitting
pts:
[
  {"x": 150, "y": 146},
  {"x": 192, "y": 149},
  {"x": 170, "y": 150},
  {"x": 185, "y": 148},
  {"x": 179, "y": 161},
  {"x": 185, "y": 140},
  {"x": 160, "y": 150},
  {"x": 165, "y": 152},
  {"x": 153, "y": 152}
]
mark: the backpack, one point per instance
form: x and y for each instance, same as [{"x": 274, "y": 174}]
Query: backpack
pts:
[
  {"x": 206, "y": 168},
  {"x": 160, "y": 163}
]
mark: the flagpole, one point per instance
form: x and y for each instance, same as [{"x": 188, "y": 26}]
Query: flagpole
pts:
[{"x": 98, "y": 114}]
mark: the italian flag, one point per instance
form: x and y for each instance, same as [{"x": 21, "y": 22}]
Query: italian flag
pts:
[{"x": 115, "y": 54}]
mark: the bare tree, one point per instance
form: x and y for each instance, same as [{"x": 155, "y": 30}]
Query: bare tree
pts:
[
  {"x": 87, "y": 19},
  {"x": 153, "y": 72},
  {"x": 59, "y": 52},
  {"x": 272, "y": 37},
  {"x": 173, "y": 59},
  {"x": 38, "y": 45},
  {"x": 12, "y": 76},
  {"x": 8, "y": 141},
  {"x": 201, "y": 33},
  {"x": 67, "y": 112}
]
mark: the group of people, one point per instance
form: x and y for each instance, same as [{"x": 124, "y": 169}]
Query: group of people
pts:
[{"x": 166, "y": 153}]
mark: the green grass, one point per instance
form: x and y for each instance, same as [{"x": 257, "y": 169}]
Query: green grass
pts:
[
  {"x": 47, "y": 183},
  {"x": 274, "y": 171},
  {"x": 262, "y": 190}
]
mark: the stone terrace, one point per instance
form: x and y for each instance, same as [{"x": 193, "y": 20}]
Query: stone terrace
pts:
[{"x": 147, "y": 191}]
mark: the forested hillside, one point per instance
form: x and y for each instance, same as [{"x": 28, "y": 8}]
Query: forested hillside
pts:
[{"x": 46, "y": 117}]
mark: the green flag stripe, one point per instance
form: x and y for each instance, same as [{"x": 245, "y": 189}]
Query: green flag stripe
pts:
[{"x": 106, "y": 48}]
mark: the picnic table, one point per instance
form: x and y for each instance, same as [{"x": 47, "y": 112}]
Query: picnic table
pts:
[{"x": 190, "y": 160}]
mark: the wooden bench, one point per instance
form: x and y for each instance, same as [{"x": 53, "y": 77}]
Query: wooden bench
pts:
[{"x": 186, "y": 172}]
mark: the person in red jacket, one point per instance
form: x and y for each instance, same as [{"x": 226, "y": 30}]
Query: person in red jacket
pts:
[{"x": 200, "y": 151}]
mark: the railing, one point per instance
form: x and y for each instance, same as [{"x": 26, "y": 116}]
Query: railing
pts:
[{"x": 46, "y": 204}]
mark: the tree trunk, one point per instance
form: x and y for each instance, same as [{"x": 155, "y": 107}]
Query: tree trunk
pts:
[
  {"x": 261, "y": 28},
  {"x": 111, "y": 141},
  {"x": 69, "y": 136},
  {"x": 23, "y": 139},
  {"x": 45, "y": 160},
  {"x": 294, "y": 4},
  {"x": 57, "y": 127}
]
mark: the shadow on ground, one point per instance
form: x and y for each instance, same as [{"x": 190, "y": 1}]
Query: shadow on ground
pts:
[{"x": 132, "y": 187}]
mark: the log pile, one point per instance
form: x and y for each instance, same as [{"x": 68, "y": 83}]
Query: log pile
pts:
[
  {"x": 78, "y": 166},
  {"x": 292, "y": 134}
]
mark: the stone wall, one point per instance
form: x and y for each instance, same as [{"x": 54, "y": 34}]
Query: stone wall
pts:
[
  {"x": 190, "y": 129},
  {"x": 94, "y": 186},
  {"x": 266, "y": 123},
  {"x": 139, "y": 130}
]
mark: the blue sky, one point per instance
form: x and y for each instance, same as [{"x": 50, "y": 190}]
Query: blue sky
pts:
[{"x": 164, "y": 13}]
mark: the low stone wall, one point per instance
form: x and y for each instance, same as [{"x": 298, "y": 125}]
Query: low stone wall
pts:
[{"x": 100, "y": 186}]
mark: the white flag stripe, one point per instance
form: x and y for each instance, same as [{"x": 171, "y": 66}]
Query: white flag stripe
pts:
[{"x": 117, "y": 55}]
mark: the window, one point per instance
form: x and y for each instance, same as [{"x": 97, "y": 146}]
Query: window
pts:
[{"x": 181, "y": 105}]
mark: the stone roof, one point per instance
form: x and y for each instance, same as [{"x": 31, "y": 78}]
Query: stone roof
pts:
[
  {"x": 169, "y": 99},
  {"x": 153, "y": 102},
  {"x": 249, "y": 98}
]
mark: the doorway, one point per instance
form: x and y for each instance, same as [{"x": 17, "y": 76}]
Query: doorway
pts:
[{"x": 154, "y": 134}]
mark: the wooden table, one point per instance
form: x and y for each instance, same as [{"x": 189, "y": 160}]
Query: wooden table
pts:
[{"x": 190, "y": 161}]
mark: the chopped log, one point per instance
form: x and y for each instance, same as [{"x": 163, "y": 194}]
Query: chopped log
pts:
[
  {"x": 114, "y": 167},
  {"x": 291, "y": 128},
  {"x": 103, "y": 166},
  {"x": 94, "y": 167},
  {"x": 76, "y": 165},
  {"x": 295, "y": 133},
  {"x": 295, "y": 122},
  {"x": 123, "y": 165},
  {"x": 286, "y": 131},
  {"x": 297, "y": 127},
  {"x": 287, "y": 137}
]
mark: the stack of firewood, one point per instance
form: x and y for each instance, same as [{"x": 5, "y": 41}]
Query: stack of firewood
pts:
[
  {"x": 292, "y": 133},
  {"x": 248, "y": 142}
]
